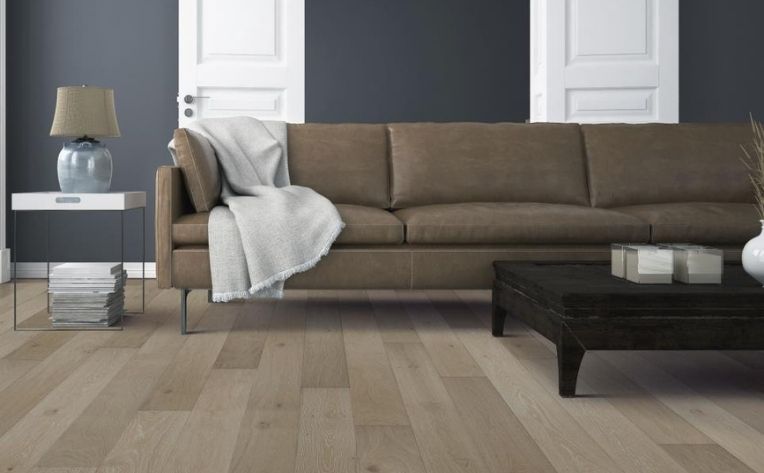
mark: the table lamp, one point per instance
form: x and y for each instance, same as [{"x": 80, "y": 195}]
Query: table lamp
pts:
[{"x": 85, "y": 113}]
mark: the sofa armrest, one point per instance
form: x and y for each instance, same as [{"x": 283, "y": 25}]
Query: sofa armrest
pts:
[{"x": 171, "y": 202}]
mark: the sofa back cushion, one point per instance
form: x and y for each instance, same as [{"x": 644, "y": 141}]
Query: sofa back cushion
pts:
[
  {"x": 441, "y": 163},
  {"x": 346, "y": 163},
  {"x": 663, "y": 163}
]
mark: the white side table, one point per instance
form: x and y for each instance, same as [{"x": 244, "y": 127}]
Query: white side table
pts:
[{"x": 57, "y": 201}]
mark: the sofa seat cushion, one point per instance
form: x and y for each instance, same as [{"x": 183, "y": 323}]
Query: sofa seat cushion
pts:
[
  {"x": 363, "y": 226},
  {"x": 699, "y": 222},
  {"x": 369, "y": 226},
  {"x": 519, "y": 223},
  {"x": 191, "y": 229}
]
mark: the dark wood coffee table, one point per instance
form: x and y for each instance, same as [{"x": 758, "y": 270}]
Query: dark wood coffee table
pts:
[{"x": 582, "y": 307}]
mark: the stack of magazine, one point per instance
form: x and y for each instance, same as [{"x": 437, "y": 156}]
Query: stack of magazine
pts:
[{"x": 86, "y": 294}]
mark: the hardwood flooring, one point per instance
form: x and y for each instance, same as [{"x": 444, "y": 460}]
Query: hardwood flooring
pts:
[{"x": 358, "y": 381}]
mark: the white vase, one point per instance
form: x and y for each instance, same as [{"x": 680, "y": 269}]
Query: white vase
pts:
[{"x": 753, "y": 256}]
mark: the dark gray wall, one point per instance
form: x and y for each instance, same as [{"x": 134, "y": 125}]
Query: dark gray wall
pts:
[
  {"x": 366, "y": 61},
  {"x": 720, "y": 63},
  {"x": 129, "y": 45},
  {"x": 438, "y": 60}
]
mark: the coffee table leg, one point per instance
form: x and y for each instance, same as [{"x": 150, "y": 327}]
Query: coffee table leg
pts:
[
  {"x": 569, "y": 356},
  {"x": 498, "y": 317}
]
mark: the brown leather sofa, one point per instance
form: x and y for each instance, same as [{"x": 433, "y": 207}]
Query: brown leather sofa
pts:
[{"x": 432, "y": 205}]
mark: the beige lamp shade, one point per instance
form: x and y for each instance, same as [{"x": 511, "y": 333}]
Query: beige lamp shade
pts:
[{"x": 85, "y": 111}]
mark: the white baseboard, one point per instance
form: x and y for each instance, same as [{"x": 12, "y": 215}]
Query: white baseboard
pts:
[
  {"x": 5, "y": 265},
  {"x": 38, "y": 270}
]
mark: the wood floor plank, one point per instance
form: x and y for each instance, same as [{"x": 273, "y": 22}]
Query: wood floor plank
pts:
[
  {"x": 324, "y": 360},
  {"x": 517, "y": 338},
  {"x": 183, "y": 380},
  {"x": 11, "y": 370},
  {"x": 62, "y": 470},
  {"x": 25, "y": 393},
  {"x": 244, "y": 345},
  {"x": 392, "y": 320},
  {"x": 147, "y": 444},
  {"x": 136, "y": 330},
  {"x": 560, "y": 437},
  {"x": 31, "y": 298},
  {"x": 629, "y": 447},
  {"x": 706, "y": 459},
  {"x": 25, "y": 290},
  {"x": 653, "y": 417},
  {"x": 443, "y": 443},
  {"x": 387, "y": 449},
  {"x": 40, "y": 346},
  {"x": 327, "y": 438},
  {"x": 38, "y": 320},
  {"x": 461, "y": 309},
  {"x": 133, "y": 294},
  {"x": 71, "y": 402},
  {"x": 737, "y": 437},
  {"x": 24, "y": 312},
  {"x": 501, "y": 439},
  {"x": 94, "y": 433},
  {"x": 660, "y": 423},
  {"x": 165, "y": 339},
  {"x": 209, "y": 437},
  {"x": 267, "y": 441},
  {"x": 527, "y": 347},
  {"x": 479, "y": 301},
  {"x": 24, "y": 444},
  {"x": 446, "y": 351},
  {"x": 731, "y": 386},
  {"x": 753, "y": 359},
  {"x": 750, "y": 375},
  {"x": 374, "y": 392},
  {"x": 6, "y": 288},
  {"x": 139, "y": 328},
  {"x": 10, "y": 341}
]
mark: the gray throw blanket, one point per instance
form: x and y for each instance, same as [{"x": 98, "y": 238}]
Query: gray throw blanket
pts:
[{"x": 267, "y": 230}]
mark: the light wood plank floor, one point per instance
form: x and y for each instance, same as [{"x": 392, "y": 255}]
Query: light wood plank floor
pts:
[{"x": 358, "y": 381}]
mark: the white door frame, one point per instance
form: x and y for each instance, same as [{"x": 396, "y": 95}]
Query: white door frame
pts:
[{"x": 5, "y": 261}]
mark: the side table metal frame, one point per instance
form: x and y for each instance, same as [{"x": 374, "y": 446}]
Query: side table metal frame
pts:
[{"x": 14, "y": 262}]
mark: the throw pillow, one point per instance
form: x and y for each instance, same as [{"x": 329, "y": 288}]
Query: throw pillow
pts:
[{"x": 196, "y": 158}]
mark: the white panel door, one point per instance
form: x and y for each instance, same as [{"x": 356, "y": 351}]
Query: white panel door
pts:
[
  {"x": 241, "y": 57},
  {"x": 595, "y": 61}
]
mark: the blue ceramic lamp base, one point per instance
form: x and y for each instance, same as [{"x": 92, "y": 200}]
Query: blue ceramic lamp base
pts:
[{"x": 84, "y": 165}]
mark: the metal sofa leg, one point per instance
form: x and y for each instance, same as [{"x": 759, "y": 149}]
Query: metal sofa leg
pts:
[
  {"x": 209, "y": 296},
  {"x": 184, "y": 311}
]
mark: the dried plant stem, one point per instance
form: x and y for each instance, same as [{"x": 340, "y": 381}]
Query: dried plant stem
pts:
[{"x": 754, "y": 161}]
